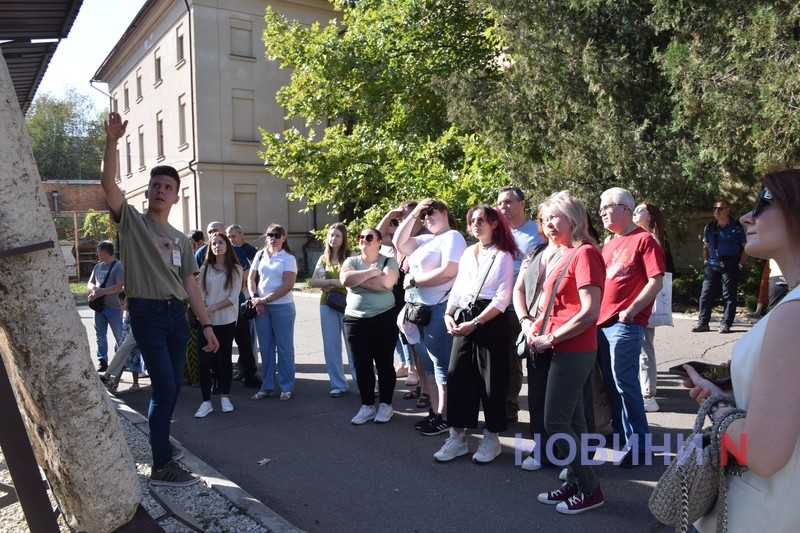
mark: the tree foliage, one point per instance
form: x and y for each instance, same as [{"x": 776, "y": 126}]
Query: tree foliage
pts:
[
  {"x": 67, "y": 136},
  {"x": 377, "y": 131}
]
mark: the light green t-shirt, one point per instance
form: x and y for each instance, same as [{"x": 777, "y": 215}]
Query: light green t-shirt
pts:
[
  {"x": 364, "y": 303},
  {"x": 156, "y": 257}
]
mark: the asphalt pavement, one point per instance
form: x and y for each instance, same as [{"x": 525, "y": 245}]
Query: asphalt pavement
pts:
[{"x": 305, "y": 461}]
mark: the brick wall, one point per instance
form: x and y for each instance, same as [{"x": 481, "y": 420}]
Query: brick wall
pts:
[{"x": 75, "y": 195}]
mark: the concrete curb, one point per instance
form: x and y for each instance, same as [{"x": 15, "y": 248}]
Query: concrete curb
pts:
[{"x": 234, "y": 493}]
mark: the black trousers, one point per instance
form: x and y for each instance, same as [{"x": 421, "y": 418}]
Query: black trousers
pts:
[
  {"x": 245, "y": 343},
  {"x": 371, "y": 340},
  {"x": 478, "y": 373},
  {"x": 220, "y": 361}
]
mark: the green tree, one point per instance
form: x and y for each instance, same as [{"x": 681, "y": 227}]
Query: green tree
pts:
[
  {"x": 377, "y": 131},
  {"x": 66, "y": 136}
]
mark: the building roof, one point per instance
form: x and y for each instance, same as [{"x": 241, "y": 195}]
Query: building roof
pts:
[{"x": 23, "y": 23}]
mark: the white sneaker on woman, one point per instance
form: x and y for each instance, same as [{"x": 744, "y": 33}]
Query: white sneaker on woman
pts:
[
  {"x": 364, "y": 415},
  {"x": 488, "y": 449},
  {"x": 227, "y": 406},
  {"x": 203, "y": 410}
]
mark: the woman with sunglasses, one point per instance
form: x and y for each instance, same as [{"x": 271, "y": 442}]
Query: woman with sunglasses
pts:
[
  {"x": 478, "y": 372},
  {"x": 220, "y": 282},
  {"x": 326, "y": 278},
  {"x": 649, "y": 217},
  {"x": 765, "y": 373},
  {"x": 369, "y": 324},
  {"x": 271, "y": 279},
  {"x": 433, "y": 264}
]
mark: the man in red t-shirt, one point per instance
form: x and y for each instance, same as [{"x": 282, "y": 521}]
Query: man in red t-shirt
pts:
[{"x": 634, "y": 270}]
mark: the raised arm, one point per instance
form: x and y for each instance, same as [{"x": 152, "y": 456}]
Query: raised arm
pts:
[{"x": 115, "y": 129}]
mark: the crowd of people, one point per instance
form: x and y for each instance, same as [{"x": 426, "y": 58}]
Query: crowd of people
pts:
[{"x": 452, "y": 312}]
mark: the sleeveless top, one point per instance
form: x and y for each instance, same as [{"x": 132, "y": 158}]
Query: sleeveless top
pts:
[{"x": 758, "y": 503}]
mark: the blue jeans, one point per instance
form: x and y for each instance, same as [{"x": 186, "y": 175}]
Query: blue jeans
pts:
[
  {"x": 161, "y": 332},
  {"x": 332, "y": 335},
  {"x": 618, "y": 349},
  {"x": 436, "y": 344},
  {"x": 109, "y": 316},
  {"x": 275, "y": 330}
]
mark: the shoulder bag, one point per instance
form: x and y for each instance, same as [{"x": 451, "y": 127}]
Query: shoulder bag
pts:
[
  {"x": 695, "y": 479},
  {"x": 474, "y": 308},
  {"x": 98, "y": 303}
]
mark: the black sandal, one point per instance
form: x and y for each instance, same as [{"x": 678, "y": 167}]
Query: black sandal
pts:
[
  {"x": 413, "y": 394},
  {"x": 424, "y": 401}
]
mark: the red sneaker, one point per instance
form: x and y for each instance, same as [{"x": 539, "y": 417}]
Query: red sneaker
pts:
[
  {"x": 563, "y": 493},
  {"x": 581, "y": 502}
]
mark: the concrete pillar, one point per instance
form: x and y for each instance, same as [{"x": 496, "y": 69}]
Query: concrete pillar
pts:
[{"x": 70, "y": 421}]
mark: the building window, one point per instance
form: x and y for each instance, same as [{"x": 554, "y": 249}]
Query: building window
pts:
[
  {"x": 157, "y": 58},
  {"x": 139, "y": 85},
  {"x": 128, "y": 155},
  {"x": 179, "y": 45},
  {"x": 182, "y": 120},
  {"x": 126, "y": 97},
  {"x": 243, "y": 115},
  {"x": 246, "y": 206},
  {"x": 242, "y": 37},
  {"x": 115, "y": 105},
  {"x": 118, "y": 175},
  {"x": 160, "y": 135},
  {"x": 141, "y": 147}
]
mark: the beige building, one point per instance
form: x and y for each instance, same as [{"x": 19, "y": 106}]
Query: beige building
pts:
[{"x": 195, "y": 87}]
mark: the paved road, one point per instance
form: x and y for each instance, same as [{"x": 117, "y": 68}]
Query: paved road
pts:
[{"x": 327, "y": 475}]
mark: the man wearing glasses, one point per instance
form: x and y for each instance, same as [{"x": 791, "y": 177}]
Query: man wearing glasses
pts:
[{"x": 723, "y": 257}]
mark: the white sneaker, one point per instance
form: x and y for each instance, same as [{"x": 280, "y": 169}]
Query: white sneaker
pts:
[
  {"x": 651, "y": 405},
  {"x": 530, "y": 464},
  {"x": 454, "y": 446},
  {"x": 364, "y": 415},
  {"x": 204, "y": 409},
  {"x": 385, "y": 412},
  {"x": 488, "y": 449},
  {"x": 227, "y": 406},
  {"x": 563, "y": 474}
]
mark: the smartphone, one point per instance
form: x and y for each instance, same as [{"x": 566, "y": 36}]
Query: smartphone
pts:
[{"x": 717, "y": 374}]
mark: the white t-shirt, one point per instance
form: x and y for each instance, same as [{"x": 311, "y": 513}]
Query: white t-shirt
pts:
[
  {"x": 270, "y": 273},
  {"x": 432, "y": 252}
]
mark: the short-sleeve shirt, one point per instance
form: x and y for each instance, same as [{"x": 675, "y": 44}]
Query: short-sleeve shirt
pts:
[
  {"x": 365, "y": 303},
  {"x": 212, "y": 287},
  {"x": 729, "y": 241},
  {"x": 249, "y": 250},
  {"x": 270, "y": 273},
  {"x": 630, "y": 261},
  {"x": 527, "y": 238},
  {"x": 432, "y": 252},
  {"x": 157, "y": 257},
  {"x": 99, "y": 274},
  {"x": 585, "y": 268}
]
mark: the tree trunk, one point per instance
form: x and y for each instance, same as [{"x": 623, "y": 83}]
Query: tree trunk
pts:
[{"x": 70, "y": 421}]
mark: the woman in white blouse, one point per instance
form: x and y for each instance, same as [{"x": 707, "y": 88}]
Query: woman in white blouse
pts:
[{"x": 220, "y": 282}]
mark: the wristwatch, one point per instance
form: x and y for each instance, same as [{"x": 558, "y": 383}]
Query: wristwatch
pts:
[
  {"x": 477, "y": 323},
  {"x": 551, "y": 339},
  {"x": 412, "y": 282}
]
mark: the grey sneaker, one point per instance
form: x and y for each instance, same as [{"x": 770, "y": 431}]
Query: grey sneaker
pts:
[
  {"x": 454, "y": 446},
  {"x": 724, "y": 328},
  {"x": 172, "y": 475},
  {"x": 488, "y": 449},
  {"x": 364, "y": 415},
  {"x": 385, "y": 413}
]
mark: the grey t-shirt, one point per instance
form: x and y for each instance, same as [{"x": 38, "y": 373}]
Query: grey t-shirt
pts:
[{"x": 100, "y": 272}]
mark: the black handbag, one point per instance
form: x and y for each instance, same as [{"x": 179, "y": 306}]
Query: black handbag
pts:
[
  {"x": 247, "y": 311},
  {"x": 418, "y": 314},
  {"x": 337, "y": 301},
  {"x": 98, "y": 303}
]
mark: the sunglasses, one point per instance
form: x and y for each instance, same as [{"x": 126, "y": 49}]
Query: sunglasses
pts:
[
  {"x": 609, "y": 207},
  {"x": 368, "y": 238},
  {"x": 430, "y": 211},
  {"x": 639, "y": 210},
  {"x": 764, "y": 198},
  {"x": 274, "y": 235},
  {"x": 720, "y": 208}
]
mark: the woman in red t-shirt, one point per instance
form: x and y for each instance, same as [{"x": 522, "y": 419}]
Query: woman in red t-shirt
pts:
[{"x": 570, "y": 330}]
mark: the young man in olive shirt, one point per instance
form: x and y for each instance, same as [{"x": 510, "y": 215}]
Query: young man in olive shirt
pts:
[{"x": 159, "y": 275}]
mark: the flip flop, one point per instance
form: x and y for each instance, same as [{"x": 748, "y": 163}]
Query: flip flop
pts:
[
  {"x": 412, "y": 394},
  {"x": 260, "y": 395}
]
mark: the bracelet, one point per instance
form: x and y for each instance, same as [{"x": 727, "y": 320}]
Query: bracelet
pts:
[
  {"x": 208, "y": 326},
  {"x": 523, "y": 319}
]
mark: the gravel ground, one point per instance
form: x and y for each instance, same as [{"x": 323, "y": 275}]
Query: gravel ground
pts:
[{"x": 213, "y": 511}]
